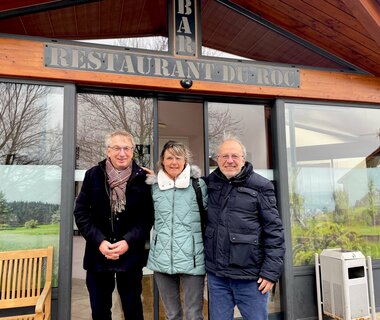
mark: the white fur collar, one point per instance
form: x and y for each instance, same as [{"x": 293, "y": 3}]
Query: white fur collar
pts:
[{"x": 181, "y": 182}]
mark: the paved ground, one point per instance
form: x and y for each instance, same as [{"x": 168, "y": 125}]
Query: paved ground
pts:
[{"x": 80, "y": 307}]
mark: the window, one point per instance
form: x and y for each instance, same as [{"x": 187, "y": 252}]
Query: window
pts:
[
  {"x": 99, "y": 114},
  {"x": 252, "y": 125},
  {"x": 333, "y": 156},
  {"x": 31, "y": 118}
]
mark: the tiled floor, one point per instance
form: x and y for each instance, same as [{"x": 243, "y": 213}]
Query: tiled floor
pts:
[{"x": 80, "y": 306}]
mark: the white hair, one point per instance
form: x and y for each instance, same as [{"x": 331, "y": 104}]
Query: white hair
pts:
[{"x": 231, "y": 137}]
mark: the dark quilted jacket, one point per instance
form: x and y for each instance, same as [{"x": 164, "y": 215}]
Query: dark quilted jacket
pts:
[{"x": 244, "y": 236}]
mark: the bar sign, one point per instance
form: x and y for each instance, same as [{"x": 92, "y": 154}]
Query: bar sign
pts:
[{"x": 185, "y": 28}]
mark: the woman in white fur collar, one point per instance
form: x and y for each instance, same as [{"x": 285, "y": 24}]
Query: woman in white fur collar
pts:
[{"x": 176, "y": 249}]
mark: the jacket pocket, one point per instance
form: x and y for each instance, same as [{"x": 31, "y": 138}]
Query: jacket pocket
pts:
[
  {"x": 246, "y": 200},
  {"x": 244, "y": 250},
  {"x": 153, "y": 244}
]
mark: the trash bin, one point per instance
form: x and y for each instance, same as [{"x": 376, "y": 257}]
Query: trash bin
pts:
[{"x": 344, "y": 283}]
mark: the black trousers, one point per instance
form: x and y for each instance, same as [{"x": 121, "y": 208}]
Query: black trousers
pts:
[{"x": 100, "y": 286}]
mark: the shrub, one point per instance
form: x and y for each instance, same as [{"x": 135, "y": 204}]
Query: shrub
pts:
[
  {"x": 55, "y": 218},
  {"x": 31, "y": 224}
]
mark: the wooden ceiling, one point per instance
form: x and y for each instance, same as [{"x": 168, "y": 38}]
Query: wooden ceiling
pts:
[{"x": 338, "y": 34}]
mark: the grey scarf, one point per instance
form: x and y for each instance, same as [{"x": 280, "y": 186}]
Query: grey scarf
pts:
[{"x": 118, "y": 183}]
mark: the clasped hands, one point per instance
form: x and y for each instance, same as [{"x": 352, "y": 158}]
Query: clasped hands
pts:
[{"x": 113, "y": 251}]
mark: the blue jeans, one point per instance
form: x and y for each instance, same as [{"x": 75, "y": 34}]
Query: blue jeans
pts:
[{"x": 226, "y": 293}]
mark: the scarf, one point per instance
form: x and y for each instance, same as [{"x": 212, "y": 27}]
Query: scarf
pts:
[{"x": 118, "y": 183}]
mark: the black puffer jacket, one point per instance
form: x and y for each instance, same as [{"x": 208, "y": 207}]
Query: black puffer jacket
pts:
[
  {"x": 244, "y": 236},
  {"x": 96, "y": 222}
]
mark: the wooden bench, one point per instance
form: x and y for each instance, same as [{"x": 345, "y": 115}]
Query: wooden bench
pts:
[{"x": 25, "y": 281}]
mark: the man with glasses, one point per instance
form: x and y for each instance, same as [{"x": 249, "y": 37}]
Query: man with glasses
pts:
[
  {"x": 114, "y": 213},
  {"x": 244, "y": 240}
]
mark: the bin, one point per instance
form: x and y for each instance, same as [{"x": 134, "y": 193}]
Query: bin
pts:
[{"x": 344, "y": 284}]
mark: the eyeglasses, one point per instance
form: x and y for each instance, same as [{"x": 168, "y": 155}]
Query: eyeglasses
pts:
[
  {"x": 225, "y": 157},
  {"x": 118, "y": 149}
]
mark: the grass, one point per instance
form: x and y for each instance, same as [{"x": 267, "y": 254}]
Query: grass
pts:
[
  {"x": 23, "y": 238},
  {"x": 365, "y": 230}
]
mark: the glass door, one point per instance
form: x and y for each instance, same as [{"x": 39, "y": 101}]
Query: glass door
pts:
[
  {"x": 252, "y": 125},
  {"x": 97, "y": 115},
  {"x": 182, "y": 122}
]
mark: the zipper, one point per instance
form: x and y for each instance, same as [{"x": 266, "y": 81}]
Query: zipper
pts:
[
  {"x": 172, "y": 230},
  {"x": 194, "y": 251}
]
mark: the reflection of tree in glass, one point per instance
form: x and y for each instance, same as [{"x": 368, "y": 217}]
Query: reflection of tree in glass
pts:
[
  {"x": 296, "y": 200},
  {"x": 372, "y": 210},
  {"x": 5, "y": 210},
  {"x": 342, "y": 206},
  {"x": 24, "y": 136},
  {"x": 100, "y": 114},
  {"x": 221, "y": 122},
  {"x": 320, "y": 234}
]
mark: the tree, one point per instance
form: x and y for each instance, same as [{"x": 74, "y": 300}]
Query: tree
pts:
[
  {"x": 296, "y": 200},
  {"x": 5, "y": 211},
  {"x": 220, "y": 123},
  {"x": 24, "y": 136},
  {"x": 24, "y": 211},
  {"x": 319, "y": 235},
  {"x": 372, "y": 212},
  {"x": 100, "y": 114},
  {"x": 341, "y": 206},
  {"x": 150, "y": 43}
]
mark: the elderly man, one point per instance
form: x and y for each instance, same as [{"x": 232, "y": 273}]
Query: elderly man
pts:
[
  {"x": 244, "y": 240},
  {"x": 114, "y": 213}
]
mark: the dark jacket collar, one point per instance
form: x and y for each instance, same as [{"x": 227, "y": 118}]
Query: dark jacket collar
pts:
[
  {"x": 136, "y": 169},
  {"x": 242, "y": 176}
]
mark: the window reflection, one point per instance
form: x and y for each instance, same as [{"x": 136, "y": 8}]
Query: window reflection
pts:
[
  {"x": 334, "y": 179},
  {"x": 101, "y": 114},
  {"x": 31, "y": 118},
  {"x": 98, "y": 115},
  {"x": 252, "y": 125}
]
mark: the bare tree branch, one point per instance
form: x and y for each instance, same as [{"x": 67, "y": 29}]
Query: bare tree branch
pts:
[{"x": 23, "y": 118}]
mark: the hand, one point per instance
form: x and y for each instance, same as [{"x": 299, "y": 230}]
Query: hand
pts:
[
  {"x": 113, "y": 251},
  {"x": 265, "y": 285},
  {"x": 149, "y": 171}
]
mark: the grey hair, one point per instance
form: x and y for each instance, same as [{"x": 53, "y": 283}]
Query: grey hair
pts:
[
  {"x": 230, "y": 137},
  {"x": 115, "y": 133},
  {"x": 178, "y": 149}
]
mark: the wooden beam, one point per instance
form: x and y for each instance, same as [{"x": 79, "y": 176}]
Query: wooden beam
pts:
[
  {"x": 25, "y": 59},
  {"x": 18, "y": 4},
  {"x": 367, "y": 12},
  {"x": 16, "y": 8}
]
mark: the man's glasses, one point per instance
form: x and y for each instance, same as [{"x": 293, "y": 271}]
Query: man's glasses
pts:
[
  {"x": 118, "y": 149},
  {"x": 225, "y": 157}
]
